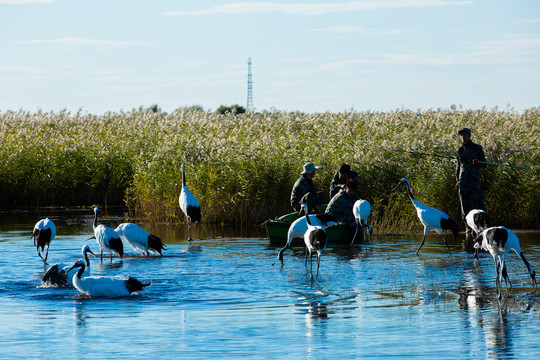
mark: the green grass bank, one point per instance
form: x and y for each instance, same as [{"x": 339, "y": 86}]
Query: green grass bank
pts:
[{"x": 242, "y": 168}]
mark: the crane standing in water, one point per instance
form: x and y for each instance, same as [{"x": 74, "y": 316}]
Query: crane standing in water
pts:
[
  {"x": 189, "y": 204},
  {"x": 432, "y": 219}
]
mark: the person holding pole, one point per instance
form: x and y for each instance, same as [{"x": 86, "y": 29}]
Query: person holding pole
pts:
[{"x": 470, "y": 159}]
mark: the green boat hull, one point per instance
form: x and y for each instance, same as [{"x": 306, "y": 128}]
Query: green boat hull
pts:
[{"x": 277, "y": 232}]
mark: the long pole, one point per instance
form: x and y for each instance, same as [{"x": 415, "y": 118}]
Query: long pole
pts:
[
  {"x": 499, "y": 164},
  {"x": 454, "y": 158}
]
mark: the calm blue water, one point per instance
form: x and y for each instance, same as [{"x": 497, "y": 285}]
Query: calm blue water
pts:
[{"x": 224, "y": 299}]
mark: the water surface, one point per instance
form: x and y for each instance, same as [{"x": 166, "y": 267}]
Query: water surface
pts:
[{"x": 224, "y": 298}]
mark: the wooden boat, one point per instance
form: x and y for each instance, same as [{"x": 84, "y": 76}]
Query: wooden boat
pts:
[{"x": 277, "y": 231}]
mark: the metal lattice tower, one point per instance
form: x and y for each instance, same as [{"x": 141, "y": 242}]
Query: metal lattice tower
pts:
[{"x": 249, "y": 106}]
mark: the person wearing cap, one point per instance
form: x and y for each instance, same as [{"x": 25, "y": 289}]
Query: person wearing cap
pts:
[
  {"x": 304, "y": 190},
  {"x": 468, "y": 179},
  {"x": 341, "y": 177}
]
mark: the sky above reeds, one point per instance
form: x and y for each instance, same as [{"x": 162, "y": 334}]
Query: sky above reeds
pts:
[{"x": 307, "y": 55}]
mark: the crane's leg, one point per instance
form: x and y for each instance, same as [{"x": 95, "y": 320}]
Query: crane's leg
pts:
[
  {"x": 101, "y": 258},
  {"x": 499, "y": 296},
  {"x": 446, "y": 242},
  {"x": 39, "y": 254},
  {"x": 189, "y": 228},
  {"x": 318, "y": 262},
  {"x": 423, "y": 240},
  {"x": 310, "y": 266},
  {"x": 504, "y": 275},
  {"x": 46, "y": 255}
]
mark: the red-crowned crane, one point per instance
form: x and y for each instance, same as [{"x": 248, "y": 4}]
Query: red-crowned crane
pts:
[
  {"x": 299, "y": 227},
  {"x": 432, "y": 219},
  {"x": 104, "y": 286},
  {"x": 44, "y": 232},
  {"x": 107, "y": 238},
  {"x": 140, "y": 239},
  {"x": 499, "y": 241},
  {"x": 477, "y": 221},
  {"x": 59, "y": 275},
  {"x": 189, "y": 204},
  {"x": 315, "y": 239},
  {"x": 361, "y": 211}
]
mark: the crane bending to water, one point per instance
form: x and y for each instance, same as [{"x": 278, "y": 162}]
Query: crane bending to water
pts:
[
  {"x": 498, "y": 241},
  {"x": 44, "y": 232}
]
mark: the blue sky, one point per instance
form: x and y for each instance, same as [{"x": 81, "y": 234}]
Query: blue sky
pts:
[{"x": 307, "y": 55}]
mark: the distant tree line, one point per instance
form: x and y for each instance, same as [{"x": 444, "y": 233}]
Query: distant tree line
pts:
[{"x": 223, "y": 109}]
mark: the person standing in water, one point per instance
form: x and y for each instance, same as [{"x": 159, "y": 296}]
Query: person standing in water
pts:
[{"x": 470, "y": 157}]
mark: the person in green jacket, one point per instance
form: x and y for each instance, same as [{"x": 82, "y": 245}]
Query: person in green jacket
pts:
[
  {"x": 341, "y": 205},
  {"x": 304, "y": 190},
  {"x": 468, "y": 178}
]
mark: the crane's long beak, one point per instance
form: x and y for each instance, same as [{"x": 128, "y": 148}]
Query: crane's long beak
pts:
[
  {"x": 398, "y": 185},
  {"x": 74, "y": 266}
]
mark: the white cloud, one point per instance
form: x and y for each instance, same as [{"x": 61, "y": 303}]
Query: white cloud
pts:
[
  {"x": 297, "y": 60},
  {"x": 75, "y": 41},
  {"x": 192, "y": 63},
  {"x": 341, "y": 29},
  {"x": 25, "y": 2},
  {"x": 517, "y": 49},
  {"x": 528, "y": 21},
  {"x": 313, "y": 9},
  {"x": 22, "y": 69},
  {"x": 511, "y": 46}
]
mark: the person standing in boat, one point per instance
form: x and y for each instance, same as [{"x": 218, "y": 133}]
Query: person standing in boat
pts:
[
  {"x": 468, "y": 178},
  {"x": 304, "y": 190},
  {"x": 341, "y": 177},
  {"x": 341, "y": 205}
]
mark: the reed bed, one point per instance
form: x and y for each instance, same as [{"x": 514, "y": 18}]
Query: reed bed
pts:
[{"x": 242, "y": 167}]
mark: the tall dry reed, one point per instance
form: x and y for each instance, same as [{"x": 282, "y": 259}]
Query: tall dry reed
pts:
[{"x": 242, "y": 168}]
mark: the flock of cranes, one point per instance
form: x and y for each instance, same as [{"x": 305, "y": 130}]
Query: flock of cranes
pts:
[
  {"x": 109, "y": 240},
  {"x": 498, "y": 241}
]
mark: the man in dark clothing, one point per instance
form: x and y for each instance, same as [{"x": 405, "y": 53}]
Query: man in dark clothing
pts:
[
  {"x": 470, "y": 157},
  {"x": 341, "y": 177},
  {"x": 304, "y": 191},
  {"x": 341, "y": 206}
]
